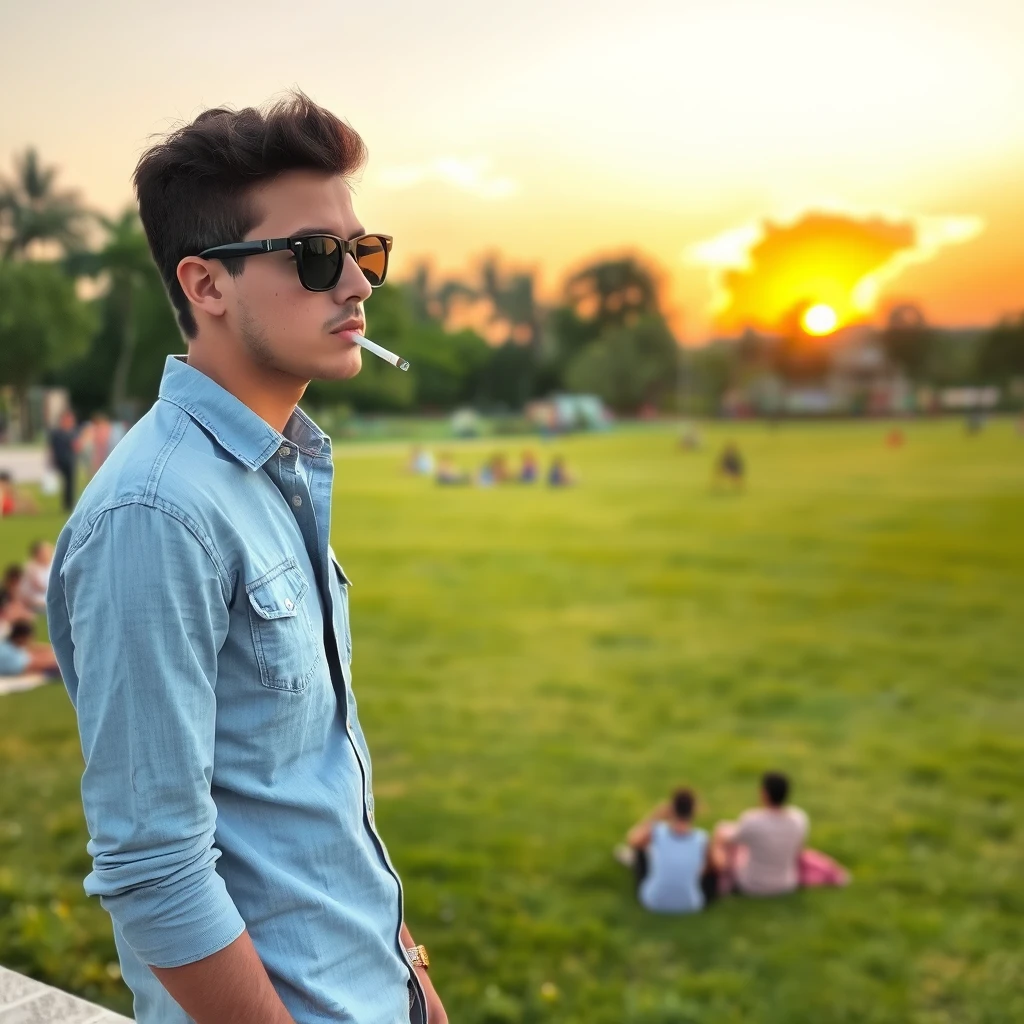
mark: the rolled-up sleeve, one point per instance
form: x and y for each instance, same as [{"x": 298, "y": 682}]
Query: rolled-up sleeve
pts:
[{"x": 148, "y": 609}]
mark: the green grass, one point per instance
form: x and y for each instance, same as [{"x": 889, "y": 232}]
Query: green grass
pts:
[{"x": 535, "y": 669}]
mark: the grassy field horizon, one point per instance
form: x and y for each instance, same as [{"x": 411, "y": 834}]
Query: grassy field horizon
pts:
[{"x": 536, "y": 668}]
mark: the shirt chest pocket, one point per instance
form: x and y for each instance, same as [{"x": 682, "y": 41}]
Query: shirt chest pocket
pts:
[{"x": 282, "y": 631}]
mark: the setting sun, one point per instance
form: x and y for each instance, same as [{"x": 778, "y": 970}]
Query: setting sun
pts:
[{"x": 820, "y": 319}]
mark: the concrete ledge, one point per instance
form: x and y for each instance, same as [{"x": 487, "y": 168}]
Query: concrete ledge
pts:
[{"x": 24, "y": 1001}]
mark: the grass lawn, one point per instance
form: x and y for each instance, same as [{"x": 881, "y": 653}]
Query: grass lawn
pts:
[{"x": 536, "y": 669}]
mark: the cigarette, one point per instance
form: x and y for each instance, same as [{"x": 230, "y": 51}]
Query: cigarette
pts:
[{"x": 379, "y": 350}]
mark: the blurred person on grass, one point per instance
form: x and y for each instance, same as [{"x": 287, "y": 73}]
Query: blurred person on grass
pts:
[
  {"x": 13, "y": 584},
  {"x": 729, "y": 469},
  {"x": 200, "y": 615},
  {"x": 558, "y": 474},
  {"x": 19, "y": 652},
  {"x": 529, "y": 468},
  {"x": 35, "y": 576},
  {"x": 14, "y": 501},
  {"x": 64, "y": 447},
  {"x": 670, "y": 858},
  {"x": 759, "y": 855}
]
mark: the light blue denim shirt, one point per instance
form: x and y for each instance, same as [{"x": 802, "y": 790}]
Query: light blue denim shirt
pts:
[{"x": 200, "y": 620}]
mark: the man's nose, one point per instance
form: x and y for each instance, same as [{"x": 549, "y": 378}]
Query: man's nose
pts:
[{"x": 352, "y": 285}]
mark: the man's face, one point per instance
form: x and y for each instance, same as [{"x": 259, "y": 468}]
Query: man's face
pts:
[{"x": 283, "y": 326}]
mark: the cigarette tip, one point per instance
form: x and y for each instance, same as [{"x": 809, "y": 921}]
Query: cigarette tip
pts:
[{"x": 403, "y": 364}]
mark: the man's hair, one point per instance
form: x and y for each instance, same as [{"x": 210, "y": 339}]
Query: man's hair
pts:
[
  {"x": 20, "y": 632},
  {"x": 776, "y": 787},
  {"x": 683, "y": 801},
  {"x": 195, "y": 188},
  {"x": 13, "y": 573},
  {"x": 35, "y": 547},
  {"x": 5, "y": 598}
]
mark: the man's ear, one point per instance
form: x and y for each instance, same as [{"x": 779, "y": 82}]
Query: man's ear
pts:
[{"x": 202, "y": 281}]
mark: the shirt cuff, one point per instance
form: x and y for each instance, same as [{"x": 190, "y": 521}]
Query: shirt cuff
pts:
[{"x": 166, "y": 927}]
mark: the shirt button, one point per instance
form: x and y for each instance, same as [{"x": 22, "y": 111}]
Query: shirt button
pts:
[
  {"x": 297, "y": 501},
  {"x": 289, "y": 603},
  {"x": 284, "y": 452}
]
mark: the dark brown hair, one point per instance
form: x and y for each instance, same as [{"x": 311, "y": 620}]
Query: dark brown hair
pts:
[
  {"x": 776, "y": 787},
  {"x": 195, "y": 188},
  {"x": 683, "y": 802}
]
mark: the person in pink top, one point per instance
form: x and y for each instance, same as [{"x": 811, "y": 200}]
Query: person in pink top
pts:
[{"x": 759, "y": 855}]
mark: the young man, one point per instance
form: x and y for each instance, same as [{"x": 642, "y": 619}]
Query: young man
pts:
[
  {"x": 760, "y": 854},
  {"x": 670, "y": 858},
  {"x": 201, "y": 619}
]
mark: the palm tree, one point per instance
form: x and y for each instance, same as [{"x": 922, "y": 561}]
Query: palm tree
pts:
[
  {"x": 513, "y": 301},
  {"x": 125, "y": 262},
  {"x": 33, "y": 212}
]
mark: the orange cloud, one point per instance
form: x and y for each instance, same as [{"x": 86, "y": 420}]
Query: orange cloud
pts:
[{"x": 765, "y": 274}]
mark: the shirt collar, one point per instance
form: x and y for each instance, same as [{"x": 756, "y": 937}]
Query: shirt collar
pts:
[{"x": 235, "y": 427}]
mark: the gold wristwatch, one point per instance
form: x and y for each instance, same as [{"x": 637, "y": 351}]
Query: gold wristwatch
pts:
[{"x": 418, "y": 956}]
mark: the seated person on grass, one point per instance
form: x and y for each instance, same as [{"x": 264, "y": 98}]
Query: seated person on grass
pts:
[
  {"x": 12, "y": 584},
  {"x": 18, "y": 654},
  {"x": 760, "y": 854},
  {"x": 670, "y": 858},
  {"x": 36, "y": 576}
]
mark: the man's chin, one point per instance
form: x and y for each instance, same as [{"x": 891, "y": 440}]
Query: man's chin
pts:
[{"x": 343, "y": 366}]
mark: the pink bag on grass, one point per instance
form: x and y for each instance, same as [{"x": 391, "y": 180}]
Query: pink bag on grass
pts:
[{"x": 816, "y": 869}]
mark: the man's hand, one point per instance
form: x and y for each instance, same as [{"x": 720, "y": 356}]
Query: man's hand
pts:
[{"x": 435, "y": 1011}]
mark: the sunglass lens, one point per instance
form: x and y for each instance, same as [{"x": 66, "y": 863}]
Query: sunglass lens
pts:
[
  {"x": 321, "y": 260},
  {"x": 372, "y": 257}
]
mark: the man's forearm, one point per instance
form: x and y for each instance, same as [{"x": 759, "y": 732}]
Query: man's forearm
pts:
[{"x": 229, "y": 987}]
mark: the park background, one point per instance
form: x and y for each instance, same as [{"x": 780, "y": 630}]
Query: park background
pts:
[{"x": 793, "y": 227}]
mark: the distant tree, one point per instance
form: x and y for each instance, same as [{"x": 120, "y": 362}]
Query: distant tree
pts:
[
  {"x": 628, "y": 366},
  {"x": 604, "y": 295},
  {"x": 613, "y": 293},
  {"x": 34, "y": 212},
  {"x": 43, "y": 324},
  {"x": 134, "y": 308},
  {"x": 1001, "y": 353},
  {"x": 908, "y": 340},
  {"x": 513, "y": 300},
  {"x": 510, "y": 377}
]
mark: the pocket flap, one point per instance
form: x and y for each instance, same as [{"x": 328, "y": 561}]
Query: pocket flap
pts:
[{"x": 277, "y": 594}]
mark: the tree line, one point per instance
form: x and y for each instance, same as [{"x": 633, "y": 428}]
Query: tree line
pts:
[{"x": 82, "y": 306}]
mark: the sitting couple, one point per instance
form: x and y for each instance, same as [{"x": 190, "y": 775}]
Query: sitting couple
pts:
[{"x": 679, "y": 871}]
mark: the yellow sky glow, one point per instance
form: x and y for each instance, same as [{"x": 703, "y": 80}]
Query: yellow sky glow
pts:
[{"x": 550, "y": 133}]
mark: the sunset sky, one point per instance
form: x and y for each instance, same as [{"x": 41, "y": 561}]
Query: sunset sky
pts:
[{"x": 766, "y": 156}]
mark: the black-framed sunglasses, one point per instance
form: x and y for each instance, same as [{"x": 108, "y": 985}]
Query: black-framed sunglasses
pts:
[{"x": 319, "y": 259}]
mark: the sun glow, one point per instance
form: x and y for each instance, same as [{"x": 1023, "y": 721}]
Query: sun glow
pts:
[{"x": 819, "y": 319}]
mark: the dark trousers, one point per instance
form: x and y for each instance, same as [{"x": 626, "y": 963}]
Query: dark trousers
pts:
[
  {"x": 67, "y": 474},
  {"x": 708, "y": 880}
]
